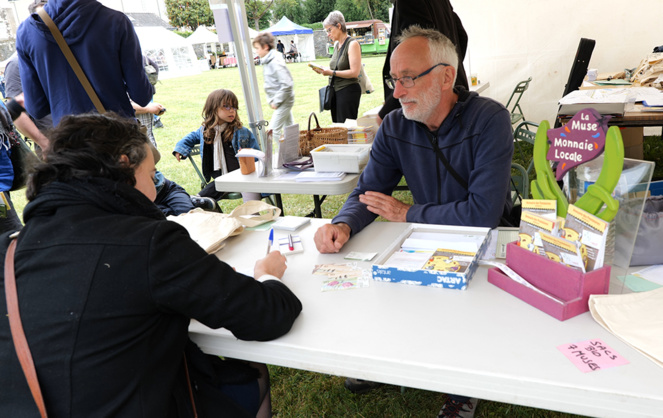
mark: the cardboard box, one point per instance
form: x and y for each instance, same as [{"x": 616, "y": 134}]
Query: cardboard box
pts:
[
  {"x": 632, "y": 138},
  {"x": 434, "y": 278},
  {"x": 341, "y": 157},
  {"x": 570, "y": 286}
]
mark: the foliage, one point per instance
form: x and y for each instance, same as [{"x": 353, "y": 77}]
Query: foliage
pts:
[
  {"x": 292, "y": 9},
  {"x": 380, "y": 9},
  {"x": 352, "y": 10},
  {"x": 317, "y": 10},
  {"x": 183, "y": 33},
  {"x": 258, "y": 13},
  {"x": 189, "y": 13},
  {"x": 314, "y": 26}
]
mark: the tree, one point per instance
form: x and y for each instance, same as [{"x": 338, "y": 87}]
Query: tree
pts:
[
  {"x": 292, "y": 9},
  {"x": 380, "y": 9},
  {"x": 352, "y": 10},
  {"x": 317, "y": 10},
  {"x": 189, "y": 13},
  {"x": 258, "y": 12}
]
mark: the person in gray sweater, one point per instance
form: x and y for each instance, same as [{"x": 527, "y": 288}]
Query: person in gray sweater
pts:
[{"x": 279, "y": 85}]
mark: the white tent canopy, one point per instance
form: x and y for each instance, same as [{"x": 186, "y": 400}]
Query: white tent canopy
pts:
[
  {"x": 171, "y": 52},
  {"x": 287, "y": 31},
  {"x": 210, "y": 40},
  {"x": 202, "y": 35}
]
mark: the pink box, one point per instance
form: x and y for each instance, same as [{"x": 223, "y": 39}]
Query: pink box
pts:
[{"x": 571, "y": 286}]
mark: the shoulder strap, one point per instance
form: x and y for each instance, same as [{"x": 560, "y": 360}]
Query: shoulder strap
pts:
[
  {"x": 72, "y": 60},
  {"x": 445, "y": 162},
  {"x": 18, "y": 335}
]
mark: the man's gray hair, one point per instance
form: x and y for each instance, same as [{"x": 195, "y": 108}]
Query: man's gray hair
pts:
[
  {"x": 335, "y": 18},
  {"x": 441, "y": 49}
]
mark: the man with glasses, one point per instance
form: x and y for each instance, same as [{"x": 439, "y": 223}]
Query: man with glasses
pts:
[{"x": 454, "y": 148}]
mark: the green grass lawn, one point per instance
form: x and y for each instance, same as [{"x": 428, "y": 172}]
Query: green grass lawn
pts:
[{"x": 298, "y": 393}]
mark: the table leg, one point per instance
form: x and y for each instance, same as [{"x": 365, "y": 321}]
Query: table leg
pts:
[
  {"x": 279, "y": 203},
  {"x": 317, "y": 202}
]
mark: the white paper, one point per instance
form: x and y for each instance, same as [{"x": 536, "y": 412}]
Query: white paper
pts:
[
  {"x": 318, "y": 176},
  {"x": 517, "y": 278},
  {"x": 651, "y": 273},
  {"x": 289, "y": 146}
]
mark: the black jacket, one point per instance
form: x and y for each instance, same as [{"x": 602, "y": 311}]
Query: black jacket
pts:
[
  {"x": 106, "y": 287},
  {"x": 433, "y": 14}
]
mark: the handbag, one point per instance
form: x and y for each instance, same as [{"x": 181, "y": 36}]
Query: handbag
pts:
[
  {"x": 312, "y": 138},
  {"x": 20, "y": 154},
  {"x": 327, "y": 95},
  {"x": 365, "y": 82},
  {"x": 23, "y": 160}
]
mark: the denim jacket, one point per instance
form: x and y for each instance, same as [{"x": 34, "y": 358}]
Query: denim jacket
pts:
[{"x": 242, "y": 138}]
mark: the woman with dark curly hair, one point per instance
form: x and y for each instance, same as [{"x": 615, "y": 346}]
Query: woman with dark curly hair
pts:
[{"x": 107, "y": 287}]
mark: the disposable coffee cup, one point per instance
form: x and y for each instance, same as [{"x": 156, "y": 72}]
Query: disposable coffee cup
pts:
[
  {"x": 247, "y": 165},
  {"x": 592, "y": 74}
]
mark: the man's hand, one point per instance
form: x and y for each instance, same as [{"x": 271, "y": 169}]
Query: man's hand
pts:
[
  {"x": 273, "y": 264},
  {"x": 177, "y": 155},
  {"x": 386, "y": 206},
  {"x": 330, "y": 238}
]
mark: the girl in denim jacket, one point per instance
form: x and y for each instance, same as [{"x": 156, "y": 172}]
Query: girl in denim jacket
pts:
[{"x": 220, "y": 137}]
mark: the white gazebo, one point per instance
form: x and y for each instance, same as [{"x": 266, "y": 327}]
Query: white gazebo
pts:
[
  {"x": 286, "y": 30},
  {"x": 171, "y": 52}
]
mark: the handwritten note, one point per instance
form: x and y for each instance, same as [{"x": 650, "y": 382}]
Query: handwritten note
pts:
[{"x": 592, "y": 355}]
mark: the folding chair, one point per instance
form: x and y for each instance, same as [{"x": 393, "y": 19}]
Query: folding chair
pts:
[
  {"x": 195, "y": 151},
  {"x": 578, "y": 69},
  {"x": 516, "y": 110},
  {"x": 525, "y": 133},
  {"x": 519, "y": 183}
]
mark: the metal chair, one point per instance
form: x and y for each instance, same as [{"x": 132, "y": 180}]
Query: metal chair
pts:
[
  {"x": 519, "y": 183},
  {"x": 516, "y": 110},
  {"x": 525, "y": 133},
  {"x": 195, "y": 151}
]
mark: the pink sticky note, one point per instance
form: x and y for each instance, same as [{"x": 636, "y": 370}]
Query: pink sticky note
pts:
[{"x": 592, "y": 355}]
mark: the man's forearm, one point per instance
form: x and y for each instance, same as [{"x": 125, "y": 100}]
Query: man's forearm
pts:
[{"x": 27, "y": 127}]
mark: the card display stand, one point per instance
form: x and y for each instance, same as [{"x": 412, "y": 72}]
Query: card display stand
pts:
[
  {"x": 631, "y": 192},
  {"x": 570, "y": 286}
]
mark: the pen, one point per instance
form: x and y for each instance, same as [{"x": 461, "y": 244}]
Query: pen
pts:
[
  {"x": 291, "y": 246},
  {"x": 270, "y": 240}
]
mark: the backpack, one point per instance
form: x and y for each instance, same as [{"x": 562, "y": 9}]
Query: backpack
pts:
[
  {"x": 152, "y": 74},
  {"x": 151, "y": 71}
]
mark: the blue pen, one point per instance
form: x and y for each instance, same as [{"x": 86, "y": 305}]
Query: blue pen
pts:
[{"x": 270, "y": 241}]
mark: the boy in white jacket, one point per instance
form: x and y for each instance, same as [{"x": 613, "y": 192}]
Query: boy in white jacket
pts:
[{"x": 279, "y": 86}]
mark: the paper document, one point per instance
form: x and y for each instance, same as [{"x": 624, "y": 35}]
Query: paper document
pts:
[
  {"x": 289, "y": 146},
  {"x": 317, "y": 176},
  {"x": 652, "y": 273}
]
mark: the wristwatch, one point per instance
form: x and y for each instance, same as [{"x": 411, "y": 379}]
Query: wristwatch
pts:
[{"x": 334, "y": 75}]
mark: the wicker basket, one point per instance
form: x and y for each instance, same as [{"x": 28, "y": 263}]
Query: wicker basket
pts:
[{"x": 313, "y": 138}]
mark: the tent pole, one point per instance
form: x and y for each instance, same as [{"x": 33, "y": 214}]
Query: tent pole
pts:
[{"x": 246, "y": 67}]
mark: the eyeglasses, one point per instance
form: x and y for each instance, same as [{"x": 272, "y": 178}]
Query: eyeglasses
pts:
[
  {"x": 329, "y": 29},
  {"x": 407, "y": 81},
  {"x": 229, "y": 108}
]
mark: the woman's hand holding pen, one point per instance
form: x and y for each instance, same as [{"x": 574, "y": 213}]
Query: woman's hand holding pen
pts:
[{"x": 274, "y": 264}]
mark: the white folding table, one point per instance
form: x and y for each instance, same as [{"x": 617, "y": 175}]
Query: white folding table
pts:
[
  {"x": 481, "y": 342},
  {"x": 235, "y": 181}
]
